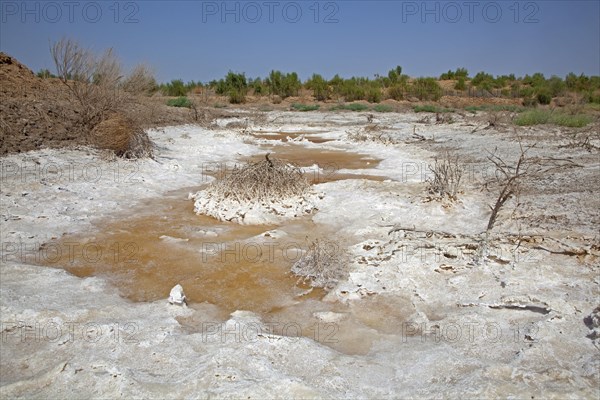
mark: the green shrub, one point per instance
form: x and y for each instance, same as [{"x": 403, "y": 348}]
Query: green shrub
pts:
[
  {"x": 237, "y": 96},
  {"x": 571, "y": 121},
  {"x": 45, "y": 74},
  {"x": 319, "y": 87},
  {"x": 396, "y": 92},
  {"x": 544, "y": 96},
  {"x": 356, "y": 107},
  {"x": 431, "y": 108},
  {"x": 383, "y": 108},
  {"x": 530, "y": 101},
  {"x": 426, "y": 89},
  {"x": 305, "y": 107},
  {"x": 181, "y": 101},
  {"x": 538, "y": 117},
  {"x": 496, "y": 107},
  {"x": 533, "y": 117},
  {"x": 460, "y": 85},
  {"x": 374, "y": 95},
  {"x": 593, "y": 98},
  {"x": 175, "y": 88},
  {"x": 283, "y": 85},
  {"x": 350, "y": 107}
]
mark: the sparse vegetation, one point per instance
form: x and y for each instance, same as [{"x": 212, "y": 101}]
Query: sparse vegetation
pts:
[
  {"x": 351, "y": 107},
  {"x": 447, "y": 175},
  {"x": 431, "y": 109},
  {"x": 383, "y": 108},
  {"x": 174, "y": 88},
  {"x": 180, "y": 102},
  {"x": 322, "y": 264},
  {"x": 539, "y": 117},
  {"x": 496, "y": 108},
  {"x": 305, "y": 107}
]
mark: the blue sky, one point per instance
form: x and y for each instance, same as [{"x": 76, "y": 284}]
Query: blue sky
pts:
[{"x": 202, "y": 40}]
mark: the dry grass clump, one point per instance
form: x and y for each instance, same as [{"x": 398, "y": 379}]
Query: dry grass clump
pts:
[
  {"x": 121, "y": 135},
  {"x": 372, "y": 133},
  {"x": 269, "y": 180},
  {"x": 447, "y": 174},
  {"x": 323, "y": 265}
]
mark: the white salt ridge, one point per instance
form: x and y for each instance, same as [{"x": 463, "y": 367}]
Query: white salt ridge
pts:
[{"x": 255, "y": 213}]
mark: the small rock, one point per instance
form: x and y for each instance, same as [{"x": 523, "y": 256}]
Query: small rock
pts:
[{"x": 177, "y": 296}]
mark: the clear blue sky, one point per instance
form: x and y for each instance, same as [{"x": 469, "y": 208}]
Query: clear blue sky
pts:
[{"x": 201, "y": 40}]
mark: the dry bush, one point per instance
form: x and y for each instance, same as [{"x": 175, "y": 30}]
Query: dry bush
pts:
[
  {"x": 93, "y": 82},
  {"x": 372, "y": 133},
  {"x": 269, "y": 180},
  {"x": 447, "y": 174},
  {"x": 323, "y": 265},
  {"x": 508, "y": 178},
  {"x": 140, "y": 81},
  {"x": 123, "y": 137},
  {"x": 104, "y": 99}
]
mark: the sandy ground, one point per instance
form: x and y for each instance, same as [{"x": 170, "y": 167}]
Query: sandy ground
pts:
[{"x": 432, "y": 307}]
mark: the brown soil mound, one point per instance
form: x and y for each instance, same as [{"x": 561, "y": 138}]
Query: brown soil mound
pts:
[
  {"x": 34, "y": 112},
  {"x": 38, "y": 113}
]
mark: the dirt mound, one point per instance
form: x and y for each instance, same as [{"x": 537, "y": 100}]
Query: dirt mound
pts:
[
  {"x": 34, "y": 112},
  {"x": 37, "y": 113}
]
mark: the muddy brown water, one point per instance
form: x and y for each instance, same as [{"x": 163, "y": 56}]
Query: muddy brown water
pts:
[
  {"x": 329, "y": 161},
  {"x": 147, "y": 250},
  {"x": 286, "y": 136}
]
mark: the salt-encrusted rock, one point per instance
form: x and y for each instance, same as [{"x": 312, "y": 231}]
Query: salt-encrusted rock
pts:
[{"x": 177, "y": 296}]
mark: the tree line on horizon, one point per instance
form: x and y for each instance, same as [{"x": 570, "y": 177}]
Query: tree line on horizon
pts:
[{"x": 532, "y": 89}]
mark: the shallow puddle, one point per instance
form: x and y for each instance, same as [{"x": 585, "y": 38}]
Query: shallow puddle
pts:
[
  {"x": 286, "y": 136},
  {"x": 147, "y": 250},
  {"x": 330, "y": 162},
  {"x": 163, "y": 243}
]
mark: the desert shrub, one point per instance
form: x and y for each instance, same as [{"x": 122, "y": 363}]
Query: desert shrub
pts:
[
  {"x": 447, "y": 174},
  {"x": 322, "y": 264},
  {"x": 180, "y": 102},
  {"x": 383, "y": 108},
  {"x": 533, "y": 117},
  {"x": 431, "y": 108},
  {"x": 102, "y": 97},
  {"x": 396, "y": 92},
  {"x": 374, "y": 95},
  {"x": 237, "y": 96},
  {"x": 593, "y": 98},
  {"x": 268, "y": 180},
  {"x": 544, "y": 96},
  {"x": 319, "y": 87},
  {"x": 305, "y": 107},
  {"x": 140, "y": 81},
  {"x": 460, "y": 84},
  {"x": 93, "y": 82},
  {"x": 174, "y": 88},
  {"x": 45, "y": 74},
  {"x": 496, "y": 107},
  {"x": 539, "y": 117},
  {"x": 355, "y": 107},
  {"x": 426, "y": 89},
  {"x": 120, "y": 135},
  {"x": 283, "y": 85},
  {"x": 571, "y": 121}
]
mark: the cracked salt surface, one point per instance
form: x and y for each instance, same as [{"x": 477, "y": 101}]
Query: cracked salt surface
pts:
[{"x": 415, "y": 318}]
